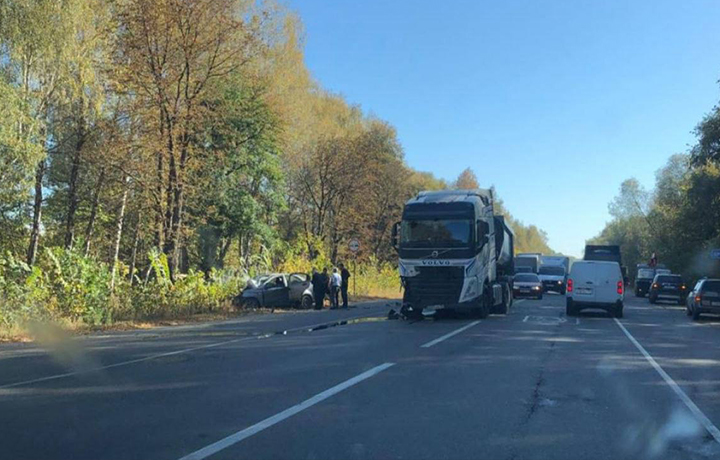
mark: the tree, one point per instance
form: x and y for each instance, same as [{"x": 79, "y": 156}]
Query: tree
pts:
[
  {"x": 240, "y": 162},
  {"x": 34, "y": 35},
  {"x": 707, "y": 131},
  {"x": 19, "y": 155},
  {"x": 169, "y": 53},
  {"x": 633, "y": 200},
  {"x": 466, "y": 180}
]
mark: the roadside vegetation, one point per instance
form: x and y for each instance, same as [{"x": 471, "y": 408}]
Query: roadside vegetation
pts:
[
  {"x": 154, "y": 154},
  {"x": 679, "y": 219}
]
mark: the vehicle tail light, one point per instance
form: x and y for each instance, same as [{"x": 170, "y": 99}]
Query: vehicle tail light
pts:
[
  {"x": 655, "y": 285},
  {"x": 620, "y": 287},
  {"x": 569, "y": 285},
  {"x": 698, "y": 299}
]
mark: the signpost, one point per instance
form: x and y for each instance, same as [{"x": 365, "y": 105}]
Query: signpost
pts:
[{"x": 354, "y": 246}]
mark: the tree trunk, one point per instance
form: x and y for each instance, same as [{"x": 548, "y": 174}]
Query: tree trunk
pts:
[
  {"x": 118, "y": 232},
  {"x": 37, "y": 213},
  {"x": 72, "y": 191},
  {"x": 159, "y": 228},
  {"x": 223, "y": 252},
  {"x": 174, "y": 252},
  {"x": 133, "y": 255},
  {"x": 93, "y": 211}
]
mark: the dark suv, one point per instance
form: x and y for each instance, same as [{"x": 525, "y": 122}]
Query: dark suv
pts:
[{"x": 669, "y": 287}]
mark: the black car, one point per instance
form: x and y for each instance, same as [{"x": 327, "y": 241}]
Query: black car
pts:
[{"x": 670, "y": 287}]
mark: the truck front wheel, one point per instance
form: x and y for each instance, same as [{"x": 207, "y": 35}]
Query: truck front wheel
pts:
[
  {"x": 485, "y": 304},
  {"x": 504, "y": 306}
]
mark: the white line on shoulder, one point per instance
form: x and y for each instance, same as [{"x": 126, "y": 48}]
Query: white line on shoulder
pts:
[{"x": 712, "y": 429}]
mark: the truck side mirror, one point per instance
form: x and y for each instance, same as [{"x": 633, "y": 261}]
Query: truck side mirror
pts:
[
  {"x": 395, "y": 233},
  {"x": 483, "y": 229}
]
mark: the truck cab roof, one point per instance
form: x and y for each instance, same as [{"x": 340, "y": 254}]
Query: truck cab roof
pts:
[{"x": 447, "y": 196}]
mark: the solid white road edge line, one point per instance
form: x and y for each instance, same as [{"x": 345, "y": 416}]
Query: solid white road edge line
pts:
[
  {"x": 451, "y": 334},
  {"x": 712, "y": 429},
  {"x": 287, "y": 413},
  {"x": 169, "y": 353}
]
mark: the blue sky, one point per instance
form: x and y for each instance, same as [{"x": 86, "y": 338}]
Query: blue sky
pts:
[{"x": 553, "y": 102}]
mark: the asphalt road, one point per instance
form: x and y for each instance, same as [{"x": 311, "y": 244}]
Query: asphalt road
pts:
[{"x": 530, "y": 385}]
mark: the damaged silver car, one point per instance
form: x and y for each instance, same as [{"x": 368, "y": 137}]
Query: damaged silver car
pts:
[{"x": 277, "y": 290}]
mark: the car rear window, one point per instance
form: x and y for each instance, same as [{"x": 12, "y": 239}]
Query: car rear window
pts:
[
  {"x": 646, "y": 273},
  {"x": 523, "y": 278},
  {"x": 669, "y": 279},
  {"x": 711, "y": 286}
]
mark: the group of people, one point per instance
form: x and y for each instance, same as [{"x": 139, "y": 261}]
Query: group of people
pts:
[{"x": 334, "y": 284}]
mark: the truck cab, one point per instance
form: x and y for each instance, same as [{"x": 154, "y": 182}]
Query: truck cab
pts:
[{"x": 454, "y": 253}]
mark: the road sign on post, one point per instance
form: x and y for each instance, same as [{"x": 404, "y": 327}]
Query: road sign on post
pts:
[
  {"x": 715, "y": 254},
  {"x": 354, "y": 246}
]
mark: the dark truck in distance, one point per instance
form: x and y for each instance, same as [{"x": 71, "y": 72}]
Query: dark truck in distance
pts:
[
  {"x": 644, "y": 278},
  {"x": 455, "y": 253},
  {"x": 606, "y": 253},
  {"x": 528, "y": 262}
]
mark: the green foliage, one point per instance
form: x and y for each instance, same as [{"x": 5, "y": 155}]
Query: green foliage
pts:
[
  {"x": 23, "y": 292},
  {"x": 376, "y": 279},
  {"x": 679, "y": 220},
  {"x": 68, "y": 285},
  {"x": 80, "y": 286},
  {"x": 19, "y": 154}
]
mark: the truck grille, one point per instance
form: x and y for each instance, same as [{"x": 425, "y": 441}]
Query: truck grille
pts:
[{"x": 436, "y": 285}]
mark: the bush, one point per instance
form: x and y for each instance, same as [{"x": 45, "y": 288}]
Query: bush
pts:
[
  {"x": 67, "y": 285},
  {"x": 191, "y": 293},
  {"x": 375, "y": 279},
  {"x": 23, "y": 293},
  {"x": 79, "y": 284}
]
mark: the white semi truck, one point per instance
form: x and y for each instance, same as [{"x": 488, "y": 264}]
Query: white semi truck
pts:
[{"x": 455, "y": 254}]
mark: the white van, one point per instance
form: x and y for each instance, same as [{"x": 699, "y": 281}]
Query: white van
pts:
[{"x": 595, "y": 284}]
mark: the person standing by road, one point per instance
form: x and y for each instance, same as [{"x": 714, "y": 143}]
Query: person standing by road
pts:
[
  {"x": 318, "y": 289},
  {"x": 325, "y": 284},
  {"x": 335, "y": 283},
  {"x": 345, "y": 276}
]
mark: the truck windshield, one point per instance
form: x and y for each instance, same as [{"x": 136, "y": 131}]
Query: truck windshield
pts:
[{"x": 436, "y": 233}]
